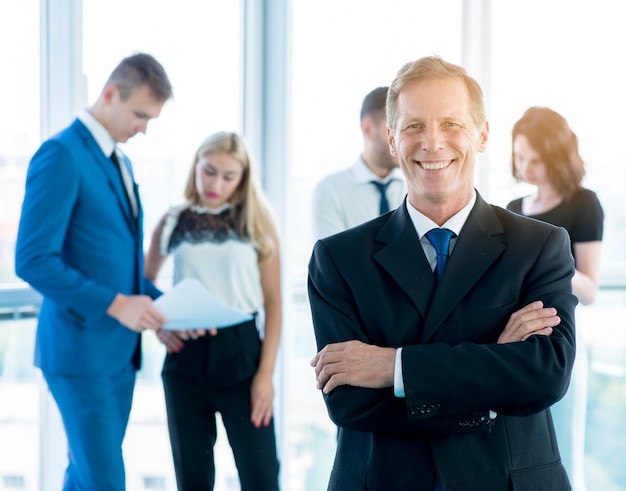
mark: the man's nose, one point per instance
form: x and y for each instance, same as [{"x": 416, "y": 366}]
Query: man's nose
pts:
[{"x": 433, "y": 139}]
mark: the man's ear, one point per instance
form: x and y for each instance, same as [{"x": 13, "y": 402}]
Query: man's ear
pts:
[
  {"x": 392, "y": 143},
  {"x": 484, "y": 136},
  {"x": 108, "y": 93}
]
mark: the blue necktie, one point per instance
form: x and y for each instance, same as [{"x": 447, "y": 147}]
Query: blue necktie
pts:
[
  {"x": 440, "y": 239},
  {"x": 382, "y": 188}
]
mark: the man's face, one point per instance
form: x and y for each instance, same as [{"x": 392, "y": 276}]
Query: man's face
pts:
[
  {"x": 436, "y": 142},
  {"x": 126, "y": 118}
]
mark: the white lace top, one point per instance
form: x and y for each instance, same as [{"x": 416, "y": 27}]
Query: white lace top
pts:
[{"x": 204, "y": 245}]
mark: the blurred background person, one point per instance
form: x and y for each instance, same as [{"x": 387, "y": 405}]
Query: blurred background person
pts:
[
  {"x": 545, "y": 154},
  {"x": 372, "y": 186},
  {"x": 80, "y": 244},
  {"x": 225, "y": 237}
]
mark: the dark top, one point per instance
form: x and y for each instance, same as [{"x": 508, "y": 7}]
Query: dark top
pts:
[{"x": 582, "y": 216}]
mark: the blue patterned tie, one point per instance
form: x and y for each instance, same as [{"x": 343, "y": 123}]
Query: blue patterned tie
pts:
[
  {"x": 382, "y": 188},
  {"x": 440, "y": 239}
]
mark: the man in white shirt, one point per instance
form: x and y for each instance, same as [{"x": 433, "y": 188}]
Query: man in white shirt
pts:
[{"x": 350, "y": 197}]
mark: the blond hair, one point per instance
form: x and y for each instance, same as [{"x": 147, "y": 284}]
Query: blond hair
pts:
[
  {"x": 249, "y": 207},
  {"x": 434, "y": 68}
]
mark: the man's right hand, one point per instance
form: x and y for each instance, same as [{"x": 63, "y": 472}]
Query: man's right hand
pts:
[
  {"x": 136, "y": 312},
  {"x": 532, "y": 319}
]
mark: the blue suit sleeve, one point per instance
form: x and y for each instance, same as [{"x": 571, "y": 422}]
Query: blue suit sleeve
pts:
[{"x": 52, "y": 189}]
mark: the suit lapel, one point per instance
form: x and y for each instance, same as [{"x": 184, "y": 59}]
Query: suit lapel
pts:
[
  {"x": 112, "y": 174},
  {"x": 403, "y": 258},
  {"x": 475, "y": 251}
]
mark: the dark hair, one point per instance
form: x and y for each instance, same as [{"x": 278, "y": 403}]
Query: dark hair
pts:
[
  {"x": 434, "y": 68},
  {"x": 374, "y": 104},
  {"x": 138, "y": 70},
  {"x": 550, "y": 136}
]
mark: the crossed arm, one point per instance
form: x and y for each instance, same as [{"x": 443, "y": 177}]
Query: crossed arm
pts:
[{"x": 364, "y": 365}]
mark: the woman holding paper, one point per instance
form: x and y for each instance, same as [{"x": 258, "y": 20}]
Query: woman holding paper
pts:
[{"x": 225, "y": 237}]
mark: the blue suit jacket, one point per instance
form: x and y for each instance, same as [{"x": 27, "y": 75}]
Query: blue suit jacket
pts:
[
  {"x": 79, "y": 245},
  {"x": 373, "y": 283}
]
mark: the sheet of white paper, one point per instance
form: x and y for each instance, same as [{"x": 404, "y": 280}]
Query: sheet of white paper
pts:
[{"x": 189, "y": 305}]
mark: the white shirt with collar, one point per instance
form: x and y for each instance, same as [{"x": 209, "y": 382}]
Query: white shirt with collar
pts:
[
  {"x": 107, "y": 145},
  {"x": 347, "y": 198}
]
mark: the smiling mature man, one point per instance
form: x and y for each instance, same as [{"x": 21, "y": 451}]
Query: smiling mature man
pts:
[{"x": 443, "y": 382}]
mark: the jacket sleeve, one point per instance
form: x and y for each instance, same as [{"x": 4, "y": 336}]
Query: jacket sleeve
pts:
[{"x": 52, "y": 188}]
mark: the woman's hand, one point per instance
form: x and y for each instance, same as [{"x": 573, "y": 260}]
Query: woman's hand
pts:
[
  {"x": 188, "y": 334},
  {"x": 170, "y": 339},
  {"x": 262, "y": 395}
]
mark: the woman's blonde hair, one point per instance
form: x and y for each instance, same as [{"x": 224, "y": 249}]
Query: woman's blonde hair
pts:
[{"x": 249, "y": 207}]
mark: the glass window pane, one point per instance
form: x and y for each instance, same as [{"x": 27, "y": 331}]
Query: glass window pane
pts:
[
  {"x": 19, "y": 127},
  {"x": 19, "y": 116},
  {"x": 19, "y": 410}
]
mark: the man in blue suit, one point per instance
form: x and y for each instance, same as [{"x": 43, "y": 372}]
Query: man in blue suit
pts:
[
  {"x": 80, "y": 245},
  {"x": 439, "y": 364}
]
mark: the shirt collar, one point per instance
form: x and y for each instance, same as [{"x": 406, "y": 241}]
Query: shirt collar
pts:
[
  {"x": 98, "y": 131},
  {"x": 455, "y": 223},
  {"x": 363, "y": 174}
]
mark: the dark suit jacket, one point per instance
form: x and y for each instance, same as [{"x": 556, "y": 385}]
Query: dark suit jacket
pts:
[
  {"x": 373, "y": 283},
  {"x": 79, "y": 245}
]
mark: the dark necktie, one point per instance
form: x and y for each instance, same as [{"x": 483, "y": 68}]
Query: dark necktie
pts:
[
  {"x": 440, "y": 239},
  {"x": 117, "y": 164},
  {"x": 382, "y": 188}
]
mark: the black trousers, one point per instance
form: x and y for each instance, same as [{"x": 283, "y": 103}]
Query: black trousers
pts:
[{"x": 214, "y": 374}]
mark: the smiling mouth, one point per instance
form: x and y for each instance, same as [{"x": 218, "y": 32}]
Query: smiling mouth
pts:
[{"x": 438, "y": 165}]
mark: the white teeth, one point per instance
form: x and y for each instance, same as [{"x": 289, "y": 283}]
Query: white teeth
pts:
[{"x": 435, "y": 165}]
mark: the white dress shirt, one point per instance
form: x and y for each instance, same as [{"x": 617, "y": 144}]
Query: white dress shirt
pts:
[{"x": 348, "y": 198}]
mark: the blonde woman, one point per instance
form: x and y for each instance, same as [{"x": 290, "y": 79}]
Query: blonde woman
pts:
[{"x": 225, "y": 237}]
